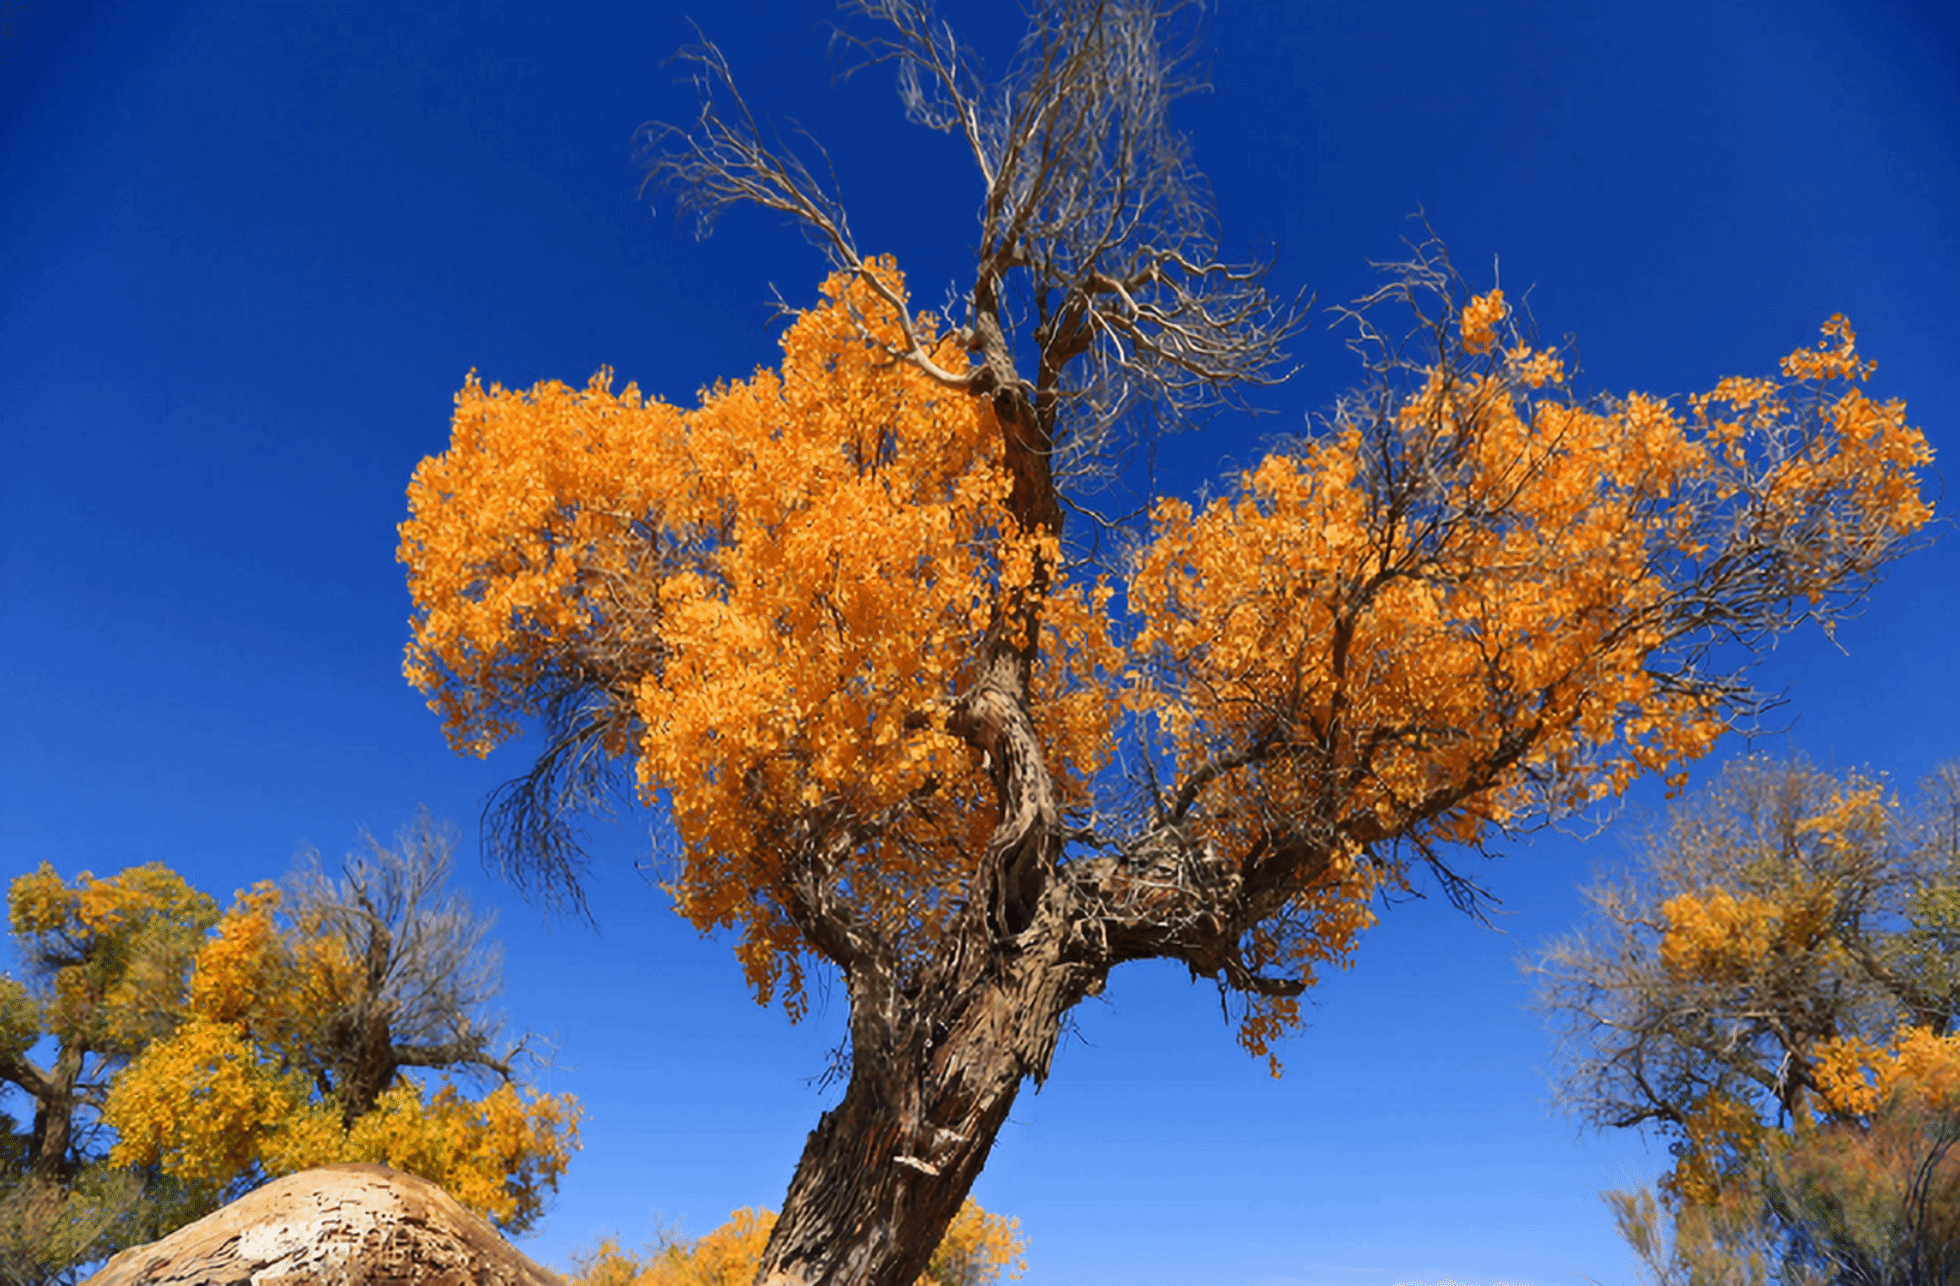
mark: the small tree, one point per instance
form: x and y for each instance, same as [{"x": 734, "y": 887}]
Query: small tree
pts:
[
  {"x": 103, "y": 969},
  {"x": 829, "y": 620},
  {"x": 1774, "y": 990},
  {"x": 423, "y": 968},
  {"x": 1783, "y": 912},
  {"x": 299, "y": 1022},
  {"x": 105, "y": 962}
]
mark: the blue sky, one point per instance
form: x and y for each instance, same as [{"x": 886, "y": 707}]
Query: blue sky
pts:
[{"x": 249, "y": 252}]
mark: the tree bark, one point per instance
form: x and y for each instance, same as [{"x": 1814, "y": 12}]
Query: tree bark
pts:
[
  {"x": 366, "y": 1059},
  {"x": 936, "y": 1068},
  {"x": 886, "y": 1170},
  {"x": 939, "y": 1056}
]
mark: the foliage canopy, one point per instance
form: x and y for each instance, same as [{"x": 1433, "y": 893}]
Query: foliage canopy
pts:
[{"x": 1467, "y": 603}]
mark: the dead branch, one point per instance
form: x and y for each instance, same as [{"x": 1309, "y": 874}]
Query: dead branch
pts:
[{"x": 1098, "y": 289}]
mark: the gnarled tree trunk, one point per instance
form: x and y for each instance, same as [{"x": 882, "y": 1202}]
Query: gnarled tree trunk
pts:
[
  {"x": 54, "y": 1114},
  {"x": 885, "y": 1171},
  {"x": 938, "y": 1057},
  {"x": 935, "y": 1073},
  {"x": 1092, "y": 207}
]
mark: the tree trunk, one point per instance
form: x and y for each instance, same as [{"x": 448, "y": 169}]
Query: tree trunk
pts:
[
  {"x": 937, "y": 1059},
  {"x": 366, "y": 1049},
  {"x": 936, "y": 1068},
  {"x": 54, "y": 1118},
  {"x": 886, "y": 1170},
  {"x": 360, "y": 1038},
  {"x": 864, "y": 1207},
  {"x": 938, "y": 1054}
]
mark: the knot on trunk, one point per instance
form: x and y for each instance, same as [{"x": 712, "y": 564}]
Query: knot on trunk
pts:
[{"x": 1087, "y": 942}]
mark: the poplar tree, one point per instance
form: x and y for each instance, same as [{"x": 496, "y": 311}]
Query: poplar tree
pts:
[{"x": 831, "y": 622}]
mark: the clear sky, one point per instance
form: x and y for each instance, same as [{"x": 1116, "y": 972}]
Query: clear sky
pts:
[{"x": 248, "y": 252}]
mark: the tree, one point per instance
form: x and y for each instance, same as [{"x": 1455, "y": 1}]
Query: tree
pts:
[
  {"x": 106, "y": 959},
  {"x": 1774, "y": 989},
  {"x": 829, "y": 621},
  {"x": 1869, "y": 1196},
  {"x": 195, "y": 1054},
  {"x": 410, "y": 971},
  {"x": 1783, "y": 918},
  {"x": 977, "y": 1249},
  {"x": 103, "y": 974},
  {"x": 294, "y": 1036}
]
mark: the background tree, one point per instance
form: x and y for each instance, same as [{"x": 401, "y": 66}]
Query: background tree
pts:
[
  {"x": 195, "y": 1054},
  {"x": 298, "y": 1024},
  {"x": 978, "y": 1247},
  {"x": 103, "y": 967},
  {"x": 828, "y": 619},
  {"x": 105, "y": 962},
  {"x": 1773, "y": 990},
  {"x": 422, "y": 969},
  {"x": 1772, "y": 920},
  {"x": 1867, "y": 1196}
]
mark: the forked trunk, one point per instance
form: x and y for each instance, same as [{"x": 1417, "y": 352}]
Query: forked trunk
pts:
[{"x": 366, "y": 1064}]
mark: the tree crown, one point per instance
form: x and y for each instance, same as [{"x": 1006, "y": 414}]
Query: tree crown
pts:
[{"x": 1474, "y": 598}]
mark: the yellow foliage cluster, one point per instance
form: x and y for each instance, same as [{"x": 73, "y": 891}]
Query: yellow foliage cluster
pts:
[
  {"x": 224, "y": 1097},
  {"x": 777, "y": 590},
  {"x": 1856, "y": 813},
  {"x": 728, "y": 1256},
  {"x": 198, "y": 1104},
  {"x": 1444, "y": 652},
  {"x": 1859, "y": 1077},
  {"x": 1717, "y": 935},
  {"x": 116, "y": 950},
  {"x": 1715, "y": 1155},
  {"x": 1478, "y": 325},
  {"x": 1257, "y": 602},
  {"x": 781, "y": 586},
  {"x": 977, "y": 1249}
]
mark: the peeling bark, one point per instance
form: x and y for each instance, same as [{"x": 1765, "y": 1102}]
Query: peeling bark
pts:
[
  {"x": 886, "y": 1170},
  {"x": 935, "y": 1072}
]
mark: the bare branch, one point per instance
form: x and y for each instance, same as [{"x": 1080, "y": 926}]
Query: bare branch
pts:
[
  {"x": 428, "y": 964},
  {"x": 1091, "y": 215},
  {"x": 722, "y": 163}
]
